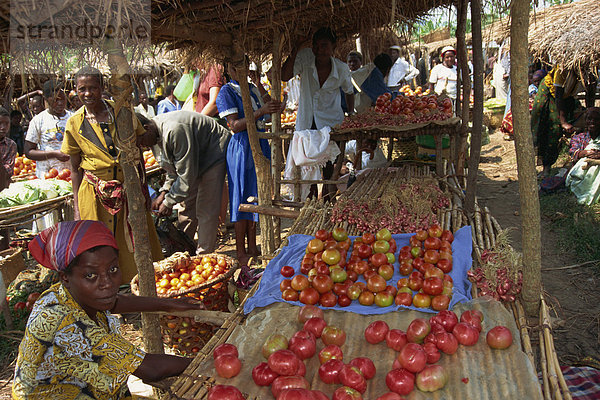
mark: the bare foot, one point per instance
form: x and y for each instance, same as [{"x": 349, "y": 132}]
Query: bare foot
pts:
[{"x": 243, "y": 258}]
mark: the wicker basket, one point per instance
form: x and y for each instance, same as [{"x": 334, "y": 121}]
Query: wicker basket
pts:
[
  {"x": 212, "y": 293},
  {"x": 183, "y": 334},
  {"x": 11, "y": 265}
]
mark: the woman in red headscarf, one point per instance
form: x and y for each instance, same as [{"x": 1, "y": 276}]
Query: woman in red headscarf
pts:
[{"x": 72, "y": 347}]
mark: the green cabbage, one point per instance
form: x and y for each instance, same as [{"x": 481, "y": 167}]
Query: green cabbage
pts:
[{"x": 25, "y": 192}]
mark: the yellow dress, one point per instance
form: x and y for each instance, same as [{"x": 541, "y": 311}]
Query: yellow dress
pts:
[
  {"x": 65, "y": 355},
  {"x": 95, "y": 158}
]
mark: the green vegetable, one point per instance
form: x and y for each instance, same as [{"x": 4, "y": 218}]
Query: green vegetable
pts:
[
  {"x": 25, "y": 192},
  {"x": 494, "y": 103}
]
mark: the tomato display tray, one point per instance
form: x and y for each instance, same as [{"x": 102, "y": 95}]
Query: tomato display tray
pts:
[
  {"x": 474, "y": 373},
  {"x": 269, "y": 292}
]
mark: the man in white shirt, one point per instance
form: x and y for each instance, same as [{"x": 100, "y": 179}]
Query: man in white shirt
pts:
[
  {"x": 169, "y": 103},
  {"x": 401, "y": 71},
  {"x": 443, "y": 76},
  {"x": 321, "y": 77},
  {"x": 46, "y": 130},
  {"x": 144, "y": 108}
]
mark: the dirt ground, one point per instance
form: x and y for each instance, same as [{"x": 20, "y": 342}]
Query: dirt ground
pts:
[{"x": 572, "y": 293}]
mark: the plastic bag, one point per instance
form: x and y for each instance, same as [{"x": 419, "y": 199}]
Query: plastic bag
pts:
[
  {"x": 172, "y": 239},
  {"x": 184, "y": 87}
]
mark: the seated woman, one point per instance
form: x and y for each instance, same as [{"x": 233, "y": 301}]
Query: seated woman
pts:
[
  {"x": 72, "y": 348},
  {"x": 584, "y": 179}
]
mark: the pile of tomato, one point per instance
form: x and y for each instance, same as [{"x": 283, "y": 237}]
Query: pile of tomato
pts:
[
  {"x": 23, "y": 165},
  {"x": 416, "y": 352},
  {"x": 190, "y": 272},
  {"x": 64, "y": 175},
  {"x": 149, "y": 160},
  {"x": 327, "y": 278}
]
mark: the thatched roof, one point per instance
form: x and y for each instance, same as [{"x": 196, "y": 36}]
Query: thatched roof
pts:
[
  {"x": 567, "y": 34},
  {"x": 216, "y": 24}
]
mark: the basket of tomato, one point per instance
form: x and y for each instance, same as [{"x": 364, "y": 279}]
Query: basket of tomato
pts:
[{"x": 204, "y": 278}]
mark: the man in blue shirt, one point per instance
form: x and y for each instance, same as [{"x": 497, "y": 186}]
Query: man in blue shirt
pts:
[{"x": 169, "y": 103}]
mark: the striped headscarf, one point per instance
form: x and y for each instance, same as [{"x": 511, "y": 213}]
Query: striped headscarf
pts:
[{"x": 57, "y": 246}]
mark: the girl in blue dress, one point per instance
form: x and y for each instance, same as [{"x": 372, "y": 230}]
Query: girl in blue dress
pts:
[{"x": 241, "y": 172}]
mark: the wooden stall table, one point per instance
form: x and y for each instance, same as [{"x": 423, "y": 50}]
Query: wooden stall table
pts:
[
  {"x": 11, "y": 217},
  {"x": 474, "y": 372},
  {"x": 437, "y": 129}
]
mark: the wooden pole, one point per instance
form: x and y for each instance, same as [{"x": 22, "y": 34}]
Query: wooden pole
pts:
[
  {"x": 461, "y": 55},
  {"x": 263, "y": 170},
  {"x": 528, "y": 189},
  {"x": 136, "y": 202},
  {"x": 269, "y": 210},
  {"x": 477, "y": 106},
  {"x": 276, "y": 152}
]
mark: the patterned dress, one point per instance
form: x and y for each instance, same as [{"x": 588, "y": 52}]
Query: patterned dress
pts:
[{"x": 66, "y": 355}]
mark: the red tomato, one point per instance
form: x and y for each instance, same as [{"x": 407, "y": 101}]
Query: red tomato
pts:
[
  {"x": 376, "y": 332},
  {"x": 284, "y": 362},
  {"x": 287, "y": 271},
  {"x": 446, "y": 342},
  {"x": 344, "y": 300},
  {"x": 403, "y": 299},
  {"x": 432, "y": 378},
  {"x": 224, "y": 392},
  {"x": 365, "y": 365},
  {"x": 303, "y": 347},
  {"x": 228, "y": 365},
  {"x": 329, "y": 371},
  {"x": 333, "y": 335},
  {"x": 322, "y": 283},
  {"x": 328, "y": 299},
  {"x": 346, "y": 393},
  {"x": 330, "y": 352},
  {"x": 290, "y": 295},
  {"x": 351, "y": 377},
  {"x": 299, "y": 282},
  {"x": 322, "y": 235},
  {"x": 433, "y": 286},
  {"x": 417, "y": 330},
  {"x": 400, "y": 381},
  {"x": 309, "y": 311},
  {"x": 273, "y": 343},
  {"x": 225, "y": 348},
  {"x": 466, "y": 334},
  {"x": 440, "y": 302},
  {"x": 285, "y": 284},
  {"x": 263, "y": 375},
  {"x": 413, "y": 357},
  {"x": 395, "y": 339},
  {"x": 282, "y": 383},
  {"x": 499, "y": 337},
  {"x": 309, "y": 296}
]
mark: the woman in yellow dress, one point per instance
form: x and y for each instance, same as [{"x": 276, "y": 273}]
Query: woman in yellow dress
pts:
[{"x": 90, "y": 139}]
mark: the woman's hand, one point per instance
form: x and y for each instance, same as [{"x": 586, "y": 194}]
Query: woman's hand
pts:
[
  {"x": 184, "y": 304},
  {"x": 60, "y": 156},
  {"x": 271, "y": 107},
  {"x": 156, "y": 203},
  {"x": 593, "y": 154}
]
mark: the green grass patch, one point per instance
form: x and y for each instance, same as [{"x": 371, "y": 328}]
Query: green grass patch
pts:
[{"x": 575, "y": 224}]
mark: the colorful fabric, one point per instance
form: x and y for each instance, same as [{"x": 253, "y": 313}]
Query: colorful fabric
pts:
[
  {"x": 241, "y": 172},
  {"x": 545, "y": 122},
  {"x": 583, "y": 382},
  {"x": 57, "y": 246},
  {"x": 109, "y": 193},
  {"x": 95, "y": 157},
  {"x": 584, "y": 180},
  {"x": 578, "y": 142},
  {"x": 66, "y": 355},
  {"x": 8, "y": 153}
]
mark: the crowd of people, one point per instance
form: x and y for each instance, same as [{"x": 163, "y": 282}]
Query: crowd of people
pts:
[{"x": 71, "y": 346}]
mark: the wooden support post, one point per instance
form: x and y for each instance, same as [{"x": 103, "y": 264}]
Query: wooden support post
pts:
[
  {"x": 297, "y": 186},
  {"x": 461, "y": 55},
  {"x": 136, "y": 202},
  {"x": 476, "y": 131},
  {"x": 276, "y": 152},
  {"x": 263, "y": 170},
  {"x": 390, "y": 150},
  {"x": 439, "y": 161},
  {"x": 337, "y": 169},
  {"x": 528, "y": 188}
]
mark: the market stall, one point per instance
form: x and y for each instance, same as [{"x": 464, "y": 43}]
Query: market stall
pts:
[{"x": 474, "y": 372}]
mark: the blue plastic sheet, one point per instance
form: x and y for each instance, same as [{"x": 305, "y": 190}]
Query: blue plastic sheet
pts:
[{"x": 268, "y": 292}]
